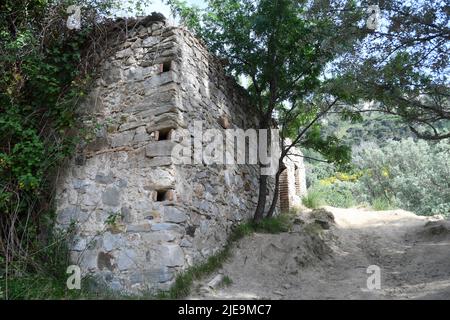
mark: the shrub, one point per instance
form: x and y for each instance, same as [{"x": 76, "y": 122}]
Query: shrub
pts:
[
  {"x": 340, "y": 194},
  {"x": 277, "y": 224},
  {"x": 226, "y": 281},
  {"x": 380, "y": 204},
  {"x": 43, "y": 77},
  {"x": 414, "y": 174},
  {"x": 332, "y": 192},
  {"x": 314, "y": 199}
]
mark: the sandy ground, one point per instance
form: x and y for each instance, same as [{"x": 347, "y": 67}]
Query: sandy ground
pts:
[{"x": 326, "y": 256}]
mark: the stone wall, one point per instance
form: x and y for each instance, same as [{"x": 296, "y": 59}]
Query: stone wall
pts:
[{"x": 140, "y": 218}]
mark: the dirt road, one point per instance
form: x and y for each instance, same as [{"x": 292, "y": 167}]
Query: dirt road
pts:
[{"x": 325, "y": 259}]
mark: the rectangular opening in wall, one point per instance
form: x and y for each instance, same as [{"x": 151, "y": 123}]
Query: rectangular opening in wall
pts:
[
  {"x": 164, "y": 134},
  {"x": 161, "y": 195},
  {"x": 166, "y": 66}
]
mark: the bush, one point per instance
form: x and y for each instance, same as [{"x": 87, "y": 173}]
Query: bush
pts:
[
  {"x": 277, "y": 224},
  {"x": 407, "y": 174},
  {"x": 340, "y": 194},
  {"x": 43, "y": 77},
  {"x": 314, "y": 199},
  {"x": 380, "y": 204},
  {"x": 331, "y": 192},
  {"x": 415, "y": 175}
]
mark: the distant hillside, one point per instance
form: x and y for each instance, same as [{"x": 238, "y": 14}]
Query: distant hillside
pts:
[{"x": 375, "y": 127}]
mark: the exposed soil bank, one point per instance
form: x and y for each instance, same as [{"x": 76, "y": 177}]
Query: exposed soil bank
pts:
[{"x": 326, "y": 259}]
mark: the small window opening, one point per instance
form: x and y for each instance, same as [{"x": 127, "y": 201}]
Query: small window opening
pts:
[
  {"x": 166, "y": 66},
  {"x": 161, "y": 195},
  {"x": 164, "y": 134}
]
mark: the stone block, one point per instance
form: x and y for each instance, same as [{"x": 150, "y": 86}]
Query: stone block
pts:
[
  {"x": 159, "y": 161},
  {"x": 104, "y": 178},
  {"x": 124, "y": 53},
  {"x": 159, "y": 79},
  {"x": 224, "y": 121},
  {"x": 111, "y": 197},
  {"x": 113, "y": 241},
  {"x": 150, "y": 41},
  {"x": 69, "y": 214},
  {"x": 157, "y": 275},
  {"x": 173, "y": 214},
  {"x": 171, "y": 255},
  {"x": 111, "y": 75},
  {"x": 185, "y": 243},
  {"x": 126, "y": 259},
  {"x": 142, "y": 227},
  {"x": 165, "y": 226},
  {"x": 159, "y": 236},
  {"x": 159, "y": 149},
  {"x": 170, "y": 195},
  {"x": 147, "y": 111},
  {"x": 122, "y": 139},
  {"x": 159, "y": 178}
]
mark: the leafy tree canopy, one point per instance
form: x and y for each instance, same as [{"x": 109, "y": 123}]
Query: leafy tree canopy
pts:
[{"x": 403, "y": 67}]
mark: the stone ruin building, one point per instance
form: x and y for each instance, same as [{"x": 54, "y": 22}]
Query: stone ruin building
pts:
[{"x": 140, "y": 219}]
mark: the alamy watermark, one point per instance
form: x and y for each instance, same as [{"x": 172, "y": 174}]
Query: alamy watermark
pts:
[
  {"x": 373, "y": 21},
  {"x": 374, "y": 280},
  {"x": 227, "y": 147},
  {"x": 74, "y": 280},
  {"x": 74, "y": 19}
]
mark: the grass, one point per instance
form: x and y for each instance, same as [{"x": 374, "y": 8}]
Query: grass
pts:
[
  {"x": 183, "y": 283},
  {"x": 278, "y": 224},
  {"x": 314, "y": 199},
  {"x": 226, "y": 281},
  {"x": 380, "y": 204}
]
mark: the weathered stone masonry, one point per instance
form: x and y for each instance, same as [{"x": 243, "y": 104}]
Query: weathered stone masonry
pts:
[{"x": 139, "y": 217}]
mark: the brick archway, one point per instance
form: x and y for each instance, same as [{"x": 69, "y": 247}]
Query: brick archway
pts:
[{"x": 284, "y": 191}]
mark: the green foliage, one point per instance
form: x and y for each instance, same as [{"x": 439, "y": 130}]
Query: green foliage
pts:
[
  {"x": 277, "y": 224},
  {"x": 404, "y": 70},
  {"x": 338, "y": 194},
  {"x": 407, "y": 174},
  {"x": 113, "y": 219},
  {"x": 330, "y": 147},
  {"x": 226, "y": 281},
  {"x": 375, "y": 127},
  {"x": 412, "y": 175},
  {"x": 380, "y": 204},
  {"x": 45, "y": 280},
  {"x": 43, "y": 77},
  {"x": 314, "y": 199}
]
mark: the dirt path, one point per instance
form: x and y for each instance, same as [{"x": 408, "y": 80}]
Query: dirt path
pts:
[{"x": 322, "y": 259}]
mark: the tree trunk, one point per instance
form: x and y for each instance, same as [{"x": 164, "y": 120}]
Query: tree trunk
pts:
[
  {"x": 276, "y": 192},
  {"x": 259, "y": 212}
]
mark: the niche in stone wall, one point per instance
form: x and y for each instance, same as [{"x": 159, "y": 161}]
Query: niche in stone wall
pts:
[
  {"x": 163, "y": 134},
  {"x": 166, "y": 66},
  {"x": 163, "y": 195}
]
